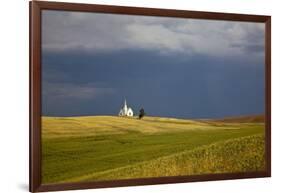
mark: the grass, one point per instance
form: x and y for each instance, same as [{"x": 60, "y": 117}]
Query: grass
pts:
[
  {"x": 220, "y": 157},
  {"x": 79, "y": 149}
]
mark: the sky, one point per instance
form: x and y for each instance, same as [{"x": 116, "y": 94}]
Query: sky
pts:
[{"x": 171, "y": 67}]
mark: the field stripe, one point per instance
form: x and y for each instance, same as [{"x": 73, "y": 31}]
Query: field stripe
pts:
[{"x": 178, "y": 154}]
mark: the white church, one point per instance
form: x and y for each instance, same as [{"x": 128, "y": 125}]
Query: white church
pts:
[{"x": 126, "y": 111}]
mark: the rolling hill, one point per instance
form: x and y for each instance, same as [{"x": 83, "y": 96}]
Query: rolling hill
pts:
[
  {"x": 79, "y": 149},
  {"x": 244, "y": 119}
]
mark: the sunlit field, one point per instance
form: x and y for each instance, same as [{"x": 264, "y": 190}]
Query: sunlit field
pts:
[{"x": 95, "y": 148}]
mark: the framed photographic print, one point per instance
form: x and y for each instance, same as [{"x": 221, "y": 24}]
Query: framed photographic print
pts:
[{"x": 123, "y": 96}]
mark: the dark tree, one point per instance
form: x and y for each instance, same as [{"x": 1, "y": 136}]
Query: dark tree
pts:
[{"x": 142, "y": 113}]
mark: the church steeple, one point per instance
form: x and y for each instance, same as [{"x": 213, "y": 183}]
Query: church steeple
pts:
[
  {"x": 126, "y": 111},
  {"x": 125, "y": 105}
]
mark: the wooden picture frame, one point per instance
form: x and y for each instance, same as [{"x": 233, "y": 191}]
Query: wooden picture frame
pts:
[{"x": 36, "y": 8}]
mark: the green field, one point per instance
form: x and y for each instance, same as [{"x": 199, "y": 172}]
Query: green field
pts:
[{"x": 97, "y": 148}]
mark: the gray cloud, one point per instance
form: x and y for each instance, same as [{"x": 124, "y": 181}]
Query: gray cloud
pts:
[
  {"x": 63, "y": 31},
  {"x": 58, "y": 91},
  {"x": 258, "y": 48}
]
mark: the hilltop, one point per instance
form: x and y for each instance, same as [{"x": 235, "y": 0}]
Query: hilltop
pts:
[{"x": 244, "y": 119}]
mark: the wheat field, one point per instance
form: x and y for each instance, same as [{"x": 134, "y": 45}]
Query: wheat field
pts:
[{"x": 95, "y": 148}]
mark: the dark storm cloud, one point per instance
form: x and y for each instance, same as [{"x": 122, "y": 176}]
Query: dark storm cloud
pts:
[
  {"x": 171, "y": 67},
  {"x": 196, "y": 86}
]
